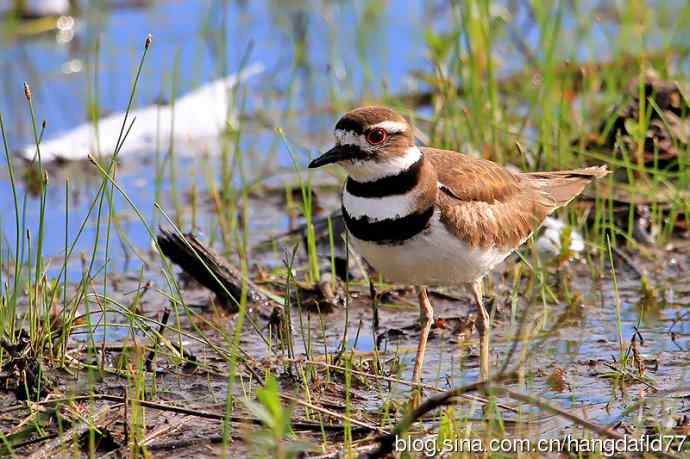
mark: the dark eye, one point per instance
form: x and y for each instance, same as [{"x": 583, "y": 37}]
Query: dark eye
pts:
[{"x": 376, "y": 136}]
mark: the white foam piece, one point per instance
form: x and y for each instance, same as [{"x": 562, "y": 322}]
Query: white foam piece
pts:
[
  {"x": 46, "y": 7},
  {"x": 550, "y": 240},
  {"x": 200, "y": 117},
  {"x": 37, "y": 8}
]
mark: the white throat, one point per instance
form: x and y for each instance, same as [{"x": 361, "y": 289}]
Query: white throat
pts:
[{"x": 369, "y": 171}]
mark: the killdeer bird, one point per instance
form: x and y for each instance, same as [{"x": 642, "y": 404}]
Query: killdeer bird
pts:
[{"x": 430, "y": 217}]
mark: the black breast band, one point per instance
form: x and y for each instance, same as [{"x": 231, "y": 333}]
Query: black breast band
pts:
[
  {"x": 389, "y": 230},
  {"x": 400, "y": 183}
]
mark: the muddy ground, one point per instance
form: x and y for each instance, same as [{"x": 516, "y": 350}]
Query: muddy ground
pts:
[{"x": 568, "y": 354}]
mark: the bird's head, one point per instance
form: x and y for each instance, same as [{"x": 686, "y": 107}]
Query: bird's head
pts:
[{"x": 370, "y": 143}]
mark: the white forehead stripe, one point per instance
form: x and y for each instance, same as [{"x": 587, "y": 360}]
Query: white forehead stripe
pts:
[
  {"x": 393, "y": 127},
  {"x": 343, "y": 137}
]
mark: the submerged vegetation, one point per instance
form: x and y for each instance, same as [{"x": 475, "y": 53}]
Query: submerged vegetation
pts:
[{"x": 274, "y": 340}]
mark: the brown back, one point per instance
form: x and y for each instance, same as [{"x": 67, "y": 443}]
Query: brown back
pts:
[{"x": 486, "y": 205}]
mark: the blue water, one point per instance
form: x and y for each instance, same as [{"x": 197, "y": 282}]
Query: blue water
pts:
[
  {"x": 266, "y": 32},
  {"x": 316, "y": 53},
  {"x": 186, "y": 36}
]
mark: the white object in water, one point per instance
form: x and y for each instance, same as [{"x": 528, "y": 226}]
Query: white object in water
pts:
[
  {"x": 550, "y": 240},
  {"x": 40, "y": 8},
  {"x": 200, "y": 117}
]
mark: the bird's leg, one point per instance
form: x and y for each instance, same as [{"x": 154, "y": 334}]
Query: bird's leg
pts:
[
  {"x": 426, "y": 316},
  {"x": 483, "y": 328}
]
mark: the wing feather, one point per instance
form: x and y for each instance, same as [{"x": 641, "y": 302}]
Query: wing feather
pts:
[{"x": 487, "y": 205}]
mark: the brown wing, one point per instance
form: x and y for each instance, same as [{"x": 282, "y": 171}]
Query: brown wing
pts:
[
  {"x": 486, "y": 205},
  {"x": 460, "y": 174}
]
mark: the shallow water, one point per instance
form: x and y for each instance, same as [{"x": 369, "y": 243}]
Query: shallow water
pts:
[
  {"x": 351, "y": 52},
  {"x": 185, "y": 49}
]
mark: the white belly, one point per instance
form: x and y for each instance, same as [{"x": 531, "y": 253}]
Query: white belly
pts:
[{"x": 432, "y": 258}]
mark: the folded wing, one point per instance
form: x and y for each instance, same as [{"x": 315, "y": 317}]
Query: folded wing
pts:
[{"x": 487, "y": 205}]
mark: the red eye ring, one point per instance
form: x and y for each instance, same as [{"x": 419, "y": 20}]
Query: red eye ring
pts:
[{"x": 376, "y": 136}]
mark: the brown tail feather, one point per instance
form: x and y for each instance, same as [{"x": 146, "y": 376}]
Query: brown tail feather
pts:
[{"x": 563, "y": 186}]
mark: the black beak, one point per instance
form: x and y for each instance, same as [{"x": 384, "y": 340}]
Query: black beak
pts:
[{"x": 335, "y": 154}]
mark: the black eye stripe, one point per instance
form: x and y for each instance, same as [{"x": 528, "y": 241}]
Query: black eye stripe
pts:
[
  {"x": 354, "y": 152},
  {"x": 346, "y": 124}
]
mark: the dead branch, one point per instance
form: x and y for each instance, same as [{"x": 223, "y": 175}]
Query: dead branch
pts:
[
  {"x": 51, "y": 448},
  {"x": 386, "y": 442},
  {"x": 213, "y": 272}
]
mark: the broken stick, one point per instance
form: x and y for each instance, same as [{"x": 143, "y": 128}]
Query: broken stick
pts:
[{"x": 213, "y": 272}]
